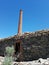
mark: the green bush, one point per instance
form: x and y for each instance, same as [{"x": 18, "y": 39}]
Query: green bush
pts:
[
  {"x": 8, "y": 58},
  {"x": 8, "y": 61},
  {"x": 9, "y": 51}
]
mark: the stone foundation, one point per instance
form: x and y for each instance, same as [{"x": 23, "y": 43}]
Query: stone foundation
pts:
[{"x": 33, "y": 45}]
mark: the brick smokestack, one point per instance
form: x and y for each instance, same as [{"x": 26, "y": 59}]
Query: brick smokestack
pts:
[{"x": 20, "y": 23}]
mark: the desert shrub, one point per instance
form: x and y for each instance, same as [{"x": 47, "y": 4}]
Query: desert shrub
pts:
[
  {"x": 8, "y": 58},
  {"x": 9, "y": 51},
  {"x": 7, "y": 61}
]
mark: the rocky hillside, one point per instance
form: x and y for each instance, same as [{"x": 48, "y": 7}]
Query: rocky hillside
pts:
[{"x": 35, "y": 45}]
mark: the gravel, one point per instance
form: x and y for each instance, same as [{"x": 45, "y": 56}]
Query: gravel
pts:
[{"x": 40, "y": 61}]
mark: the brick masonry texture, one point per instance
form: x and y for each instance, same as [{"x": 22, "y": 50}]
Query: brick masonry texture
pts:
[{"x": 35, "y": 45}]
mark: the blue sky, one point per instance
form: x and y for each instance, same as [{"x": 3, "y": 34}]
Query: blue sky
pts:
[{"x": 35, "y": 16}]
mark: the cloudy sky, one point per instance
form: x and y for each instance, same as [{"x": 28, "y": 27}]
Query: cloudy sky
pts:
[{"x": 35, "y": 16}]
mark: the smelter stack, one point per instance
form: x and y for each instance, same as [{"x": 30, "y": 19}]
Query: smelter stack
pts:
[{"x": 20, "y": 24}]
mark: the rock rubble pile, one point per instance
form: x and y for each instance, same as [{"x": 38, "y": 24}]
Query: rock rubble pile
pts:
[
  {"x": 40, "y": 61},
  {"x": 33, "y": 44}
]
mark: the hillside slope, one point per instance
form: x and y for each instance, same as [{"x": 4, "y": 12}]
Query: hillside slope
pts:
[{"x": 34, "y": 45}]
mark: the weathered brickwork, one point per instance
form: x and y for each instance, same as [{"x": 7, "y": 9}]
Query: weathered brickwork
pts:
[{"x": 34, "y": 45}]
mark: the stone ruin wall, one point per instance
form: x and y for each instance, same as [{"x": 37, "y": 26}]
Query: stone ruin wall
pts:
[{"x": 35, "y": 45}]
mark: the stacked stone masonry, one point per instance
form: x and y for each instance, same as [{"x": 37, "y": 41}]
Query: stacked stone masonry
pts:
[{"x": 35, "y": 45}]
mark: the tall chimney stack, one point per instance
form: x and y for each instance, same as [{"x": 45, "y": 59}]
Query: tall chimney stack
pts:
[{"x": 20, "y": 24}]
